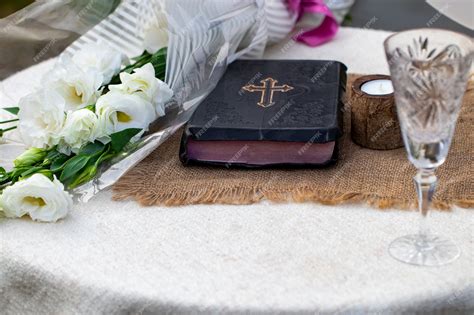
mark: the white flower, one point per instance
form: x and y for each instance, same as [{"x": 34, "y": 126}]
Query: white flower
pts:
[
  {"x": 41, "y": 119},
  {"x": 78, "y": 87},
  {"x": 101, "y": 58},
  {"x": 80, "y": 128},
  {"x": 156, "y": 35},
  {"x": 43, "y": 199},
  {"x": 144, "y": 83},
  {"x": 119, "y": 111}
]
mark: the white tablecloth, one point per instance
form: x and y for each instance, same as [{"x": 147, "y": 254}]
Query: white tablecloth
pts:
[{"x": 116, "y": 257}]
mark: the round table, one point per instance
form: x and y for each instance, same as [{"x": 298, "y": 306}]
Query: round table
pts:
[{"x": 117, "y": 257}]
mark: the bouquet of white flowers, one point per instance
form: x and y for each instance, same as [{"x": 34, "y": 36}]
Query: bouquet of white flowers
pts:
[
  {"x": 77, "y": 121},
  {"x": 99, "y": 111}
]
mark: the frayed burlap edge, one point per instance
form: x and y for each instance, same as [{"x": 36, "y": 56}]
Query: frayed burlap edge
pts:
[{"x": 244, "y": 195}]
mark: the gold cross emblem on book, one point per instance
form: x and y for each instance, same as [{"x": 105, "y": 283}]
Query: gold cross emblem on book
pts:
[{"x": 268, "y": 89}]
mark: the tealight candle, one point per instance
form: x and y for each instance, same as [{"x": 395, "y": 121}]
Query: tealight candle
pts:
[
  {"x": 377, "y": 87},
  {"x": 374, "y": 121}
]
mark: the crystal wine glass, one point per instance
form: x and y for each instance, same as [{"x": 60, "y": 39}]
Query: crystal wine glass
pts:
[{"x": 430, "y": 69}]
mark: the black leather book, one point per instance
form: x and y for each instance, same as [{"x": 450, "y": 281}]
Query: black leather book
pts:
[{"x": 267, "y": 113}]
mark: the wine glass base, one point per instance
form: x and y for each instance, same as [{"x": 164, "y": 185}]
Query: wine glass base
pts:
[{"x": 424, "y": 250}]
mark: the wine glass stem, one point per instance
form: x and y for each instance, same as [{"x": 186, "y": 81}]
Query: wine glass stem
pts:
[{"x": 425, "y": 182}]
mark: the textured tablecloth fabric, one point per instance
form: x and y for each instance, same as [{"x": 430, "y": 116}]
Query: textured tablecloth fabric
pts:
[{"x": 115, "y": 257}]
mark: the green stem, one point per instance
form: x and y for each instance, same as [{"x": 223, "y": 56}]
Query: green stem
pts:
[
  {"x": 2, "y": 131},
  {"x": 9, "y": 121}
]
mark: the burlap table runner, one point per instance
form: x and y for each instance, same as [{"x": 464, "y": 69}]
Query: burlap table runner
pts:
[{"x": 380, "y": 178}]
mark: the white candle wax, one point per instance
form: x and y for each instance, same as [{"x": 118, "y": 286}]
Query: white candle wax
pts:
[{"x": 377, "y": 87}]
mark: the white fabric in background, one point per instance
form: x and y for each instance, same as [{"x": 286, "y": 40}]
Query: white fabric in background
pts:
[
  {"x": 116, "y": 257},
  {"x": 359, "y": 49}
]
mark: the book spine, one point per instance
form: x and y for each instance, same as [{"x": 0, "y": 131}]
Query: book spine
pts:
[{"x": 342, "y": 96}]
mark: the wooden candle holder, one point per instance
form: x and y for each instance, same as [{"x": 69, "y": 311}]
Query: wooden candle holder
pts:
[{"x": 374, "y": 120}]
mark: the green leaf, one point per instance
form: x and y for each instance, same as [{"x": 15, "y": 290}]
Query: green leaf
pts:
[
  {"x": 23, "y": 172},
  {"x": 58, "y": 163},
  {"x": 4, "y": 176},
  {"x": 107, "y": 154},
  {"x": 120, "y": 139},
  {"x": 73, "y": 170},
  {"x": 91, "y": 168},
  {"x": 53, "y": 154},
  {"x": 15, "y": 174},
  {"x": 144, "y": 55},
  {"x": 55, "y": 158},
  {"x": 86, "y": 175},
  {"x": 13, "y": 110},
  {"x": 162, "y": 52},
  {"x": 158, "y": 60},
  {"x": 92, "y": 148},
  {"x": 73, "y": 166}
]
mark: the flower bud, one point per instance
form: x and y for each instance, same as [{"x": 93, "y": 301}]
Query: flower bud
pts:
[{"x": 30, "y": 157}]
